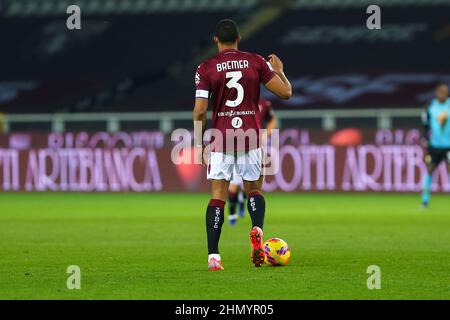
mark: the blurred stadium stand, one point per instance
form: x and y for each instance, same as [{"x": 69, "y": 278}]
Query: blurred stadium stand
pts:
[{"x": 140, "y": 56}]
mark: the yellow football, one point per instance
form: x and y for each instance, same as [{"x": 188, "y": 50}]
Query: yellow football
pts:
[{"x": 277, "y": 252}]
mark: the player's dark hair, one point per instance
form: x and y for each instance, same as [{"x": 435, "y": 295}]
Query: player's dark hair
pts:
[
  {"x": 227, "y": 31},
  {"x": 440, "y": 84}
]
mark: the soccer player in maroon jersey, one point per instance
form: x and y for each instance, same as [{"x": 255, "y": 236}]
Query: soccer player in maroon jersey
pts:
[
  {"x": 231, "y": 81},
  {"x": 236, "y": 197}
]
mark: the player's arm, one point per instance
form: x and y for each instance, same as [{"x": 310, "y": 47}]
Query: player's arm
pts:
[
  {"x": 426, "y": 126},
  {"x": 199, "y": 116},
  {"x": 199, "y": 113},
  {"x": 202, "y": 86},
  {"x": 279, "y": 85}
]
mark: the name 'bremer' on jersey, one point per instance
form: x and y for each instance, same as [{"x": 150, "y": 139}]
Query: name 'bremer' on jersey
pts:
[{"x": 233, "y": 64}]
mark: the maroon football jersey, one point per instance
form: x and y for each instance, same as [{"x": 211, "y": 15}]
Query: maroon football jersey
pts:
[{"x": 231, "y": 81}]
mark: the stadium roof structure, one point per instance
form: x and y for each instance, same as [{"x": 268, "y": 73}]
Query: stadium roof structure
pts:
[
  {"x": 326, "y": 4},
  {"x": 106, "y": 67},
  {"x": 100, "y": 7}
]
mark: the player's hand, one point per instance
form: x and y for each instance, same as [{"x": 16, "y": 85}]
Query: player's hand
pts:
[
  {"x": 201, "y": 155},
  {"x": 276, "y": 63}
]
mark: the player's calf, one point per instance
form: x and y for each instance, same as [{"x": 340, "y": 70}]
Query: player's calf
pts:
[
  {"x": 214, "y": 222},
  {"x": 241, "y": 204},
  {"x": 232, "y": 203},
  {"x": 256, "y": 206}
]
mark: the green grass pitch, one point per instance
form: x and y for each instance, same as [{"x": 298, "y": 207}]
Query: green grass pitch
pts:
[{"x": 152, "y": 246}]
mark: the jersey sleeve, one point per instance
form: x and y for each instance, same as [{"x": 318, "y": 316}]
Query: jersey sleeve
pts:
[
  {"x": 266, "y": 70},
  {"x": 202, "y": 83}
]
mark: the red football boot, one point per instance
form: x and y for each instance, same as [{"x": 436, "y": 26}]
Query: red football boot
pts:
[
  {"x": 256, "y": 240},
  {"x": 214, "y": 265}
]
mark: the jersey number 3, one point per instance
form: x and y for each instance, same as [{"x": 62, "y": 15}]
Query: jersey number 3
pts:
[{"x": 233, "y": 83}]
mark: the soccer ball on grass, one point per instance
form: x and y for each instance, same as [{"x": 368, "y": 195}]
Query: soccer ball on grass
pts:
[{"x": 277, "y": 252}]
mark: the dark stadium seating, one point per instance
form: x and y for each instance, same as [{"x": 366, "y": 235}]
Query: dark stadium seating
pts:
[
  {"x": 65, "y": 66},
  {"x": 142, "y": 61}
]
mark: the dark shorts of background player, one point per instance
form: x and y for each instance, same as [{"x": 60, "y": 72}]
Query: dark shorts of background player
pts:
[{"x": 436, "y": 156}]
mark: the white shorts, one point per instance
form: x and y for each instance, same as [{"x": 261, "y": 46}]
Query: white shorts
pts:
[
  {"x": 236, "y": 179},
  {"x": 247, "y": 165}
]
